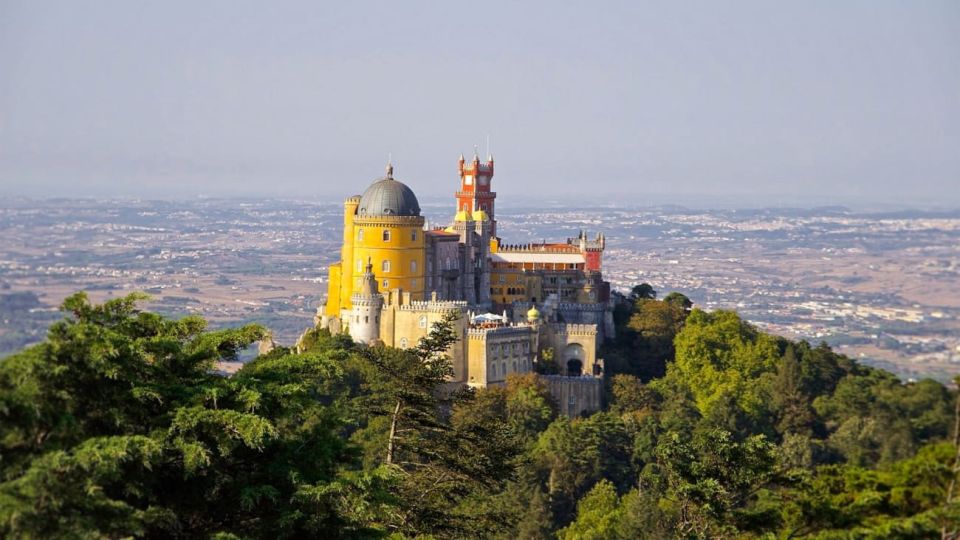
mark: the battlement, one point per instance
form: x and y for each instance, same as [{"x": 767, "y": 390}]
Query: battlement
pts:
[
  {"x": 436, "y": 306},
  {"x": 480, "y": 333},
  {"x": 538, "y": 248},
  {"x": 576, "y": 306},
  {"x": 572, "y": 329},
  {"x": 358, "y": 299}
]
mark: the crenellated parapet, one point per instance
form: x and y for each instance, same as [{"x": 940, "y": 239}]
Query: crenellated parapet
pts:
[
  {"x": 579, "y": 306},
  {"x": 484, "y": 332},
  {"x": 571, "y": 329},
  {"x": 436, "y": 306},
  {"x": 537, "y": 248},
  {"x": 366, "y": 300}
]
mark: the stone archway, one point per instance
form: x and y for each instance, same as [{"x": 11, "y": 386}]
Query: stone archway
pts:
[{"x": 573, "y": 357}]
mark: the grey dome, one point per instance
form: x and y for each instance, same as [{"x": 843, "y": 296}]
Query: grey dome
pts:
[{"x": 388, "y": 197}]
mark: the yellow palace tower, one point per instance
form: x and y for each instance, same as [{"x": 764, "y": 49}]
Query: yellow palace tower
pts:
[{"x": 382, "y": 228}]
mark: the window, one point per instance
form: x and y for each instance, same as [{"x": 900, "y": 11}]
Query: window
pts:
[
  {"x": 413, "y": 267},
  {"x": 386, "y": 283},
  {"x": 403, "y": 343},
  {"x": 447, "y": 266},
  {"x": 503, "y": 278},
  {"x": 360, "y": 235},
  {"x": 514, "y": 365},
  {"x": 504, "y": 369},
  {"x": 413, "y": 284},
  {"x": 493, "y": 371},
  {"x": 385, "y": 265},
  {"x": 366, "y": 319},
  {"x": 413, "y": 236},
  {"x": 423, "y": 321},
  {"x": 386, "y": 235},
  {"x": 359, "y": 265}
]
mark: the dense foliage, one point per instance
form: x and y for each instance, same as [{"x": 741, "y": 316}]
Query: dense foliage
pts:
[{"x": 118, "y": 425}]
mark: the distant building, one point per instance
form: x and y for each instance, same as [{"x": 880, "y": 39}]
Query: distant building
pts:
[{"x": 397, "y": 276}]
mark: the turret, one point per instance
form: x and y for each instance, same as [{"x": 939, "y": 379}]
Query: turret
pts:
[
  {"x": 365, "y": 314},
  {"x": 476, "y": 179}
]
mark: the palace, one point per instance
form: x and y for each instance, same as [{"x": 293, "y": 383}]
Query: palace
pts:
[{"x": 517, "y": 304}]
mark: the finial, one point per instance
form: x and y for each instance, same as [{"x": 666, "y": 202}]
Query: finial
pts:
[
  {"x": 476, "y": 153},
  {"x": 369, "y": 265},
  {"x": 390, "y": 169}
]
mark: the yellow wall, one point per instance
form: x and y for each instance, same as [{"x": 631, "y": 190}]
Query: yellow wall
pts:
[
  {"x": 333, "y": 291},
  {"x": 405, "y": 251}
]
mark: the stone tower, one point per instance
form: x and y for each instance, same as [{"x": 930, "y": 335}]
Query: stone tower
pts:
[
  {"x": 476, "y": 179},
  {"x": 367, "y": 307}
]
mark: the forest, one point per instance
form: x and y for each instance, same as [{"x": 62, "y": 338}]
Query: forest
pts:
[{"x": 118, "y": 425}]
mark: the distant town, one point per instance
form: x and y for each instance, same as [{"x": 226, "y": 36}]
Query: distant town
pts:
[{"x": 883, "y": 288}]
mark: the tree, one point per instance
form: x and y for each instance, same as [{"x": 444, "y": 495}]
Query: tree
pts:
[
  {"x": 718, "y": 354},
  {"x": 790, "y": 400},
  {"x": 117, "y": 425},
  {"x": 711, "y": 476},
  {"x": 643, "y": 291},
  {"x": 598, "y": 515},
  {"x": 679, "y": 300},
  {"x": 654, "y": 325},
  {"x": 630, "y": 394},
  {"x": 437, "y": 462}
]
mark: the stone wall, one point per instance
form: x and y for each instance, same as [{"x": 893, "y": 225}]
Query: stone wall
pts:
[{"x": 575, "y": 396}]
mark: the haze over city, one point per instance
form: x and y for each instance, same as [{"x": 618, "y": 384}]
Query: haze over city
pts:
[{"x": 700, "y": 104}]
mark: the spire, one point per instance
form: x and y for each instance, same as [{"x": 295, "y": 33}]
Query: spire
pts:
[
  {"x": 390, "y": 169},
  {"x": 369, "y": 285}
]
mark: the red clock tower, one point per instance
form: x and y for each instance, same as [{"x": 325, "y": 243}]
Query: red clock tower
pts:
[{"x": 474, "y": 193}]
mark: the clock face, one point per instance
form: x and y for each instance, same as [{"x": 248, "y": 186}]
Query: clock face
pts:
[{"x": 468, "y": 179}]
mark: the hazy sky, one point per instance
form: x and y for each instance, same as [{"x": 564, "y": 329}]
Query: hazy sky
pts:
[{"x": 809, "y": 101}]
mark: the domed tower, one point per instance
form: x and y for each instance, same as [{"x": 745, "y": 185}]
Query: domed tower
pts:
[
  {"x": 382, "y": 227},
  {"x": 367, "y": 305}
]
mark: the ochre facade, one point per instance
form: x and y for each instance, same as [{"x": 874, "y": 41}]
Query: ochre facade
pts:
[{"x": 515, "y": 304}]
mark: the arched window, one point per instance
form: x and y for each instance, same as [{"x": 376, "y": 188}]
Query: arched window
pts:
[
  {"x": 504, "y": 366},
  {"x": 413, "y": 235},
  {"x": 386, "y": 235},
  {"x": 386, "y": 283},
  {"x": 447, "y": 265},
  {"x": 413, "y": 267},
  {"x": 493, "y": 371},
  {"x": 413, "y": 284},
  {"x": 360, "y": 235},
  {"x": 385, "y": 265},
  {"x": 403, "y": 343},
  {"x": 359, "y": 265},
  {"x": 423, "y": 321}
]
